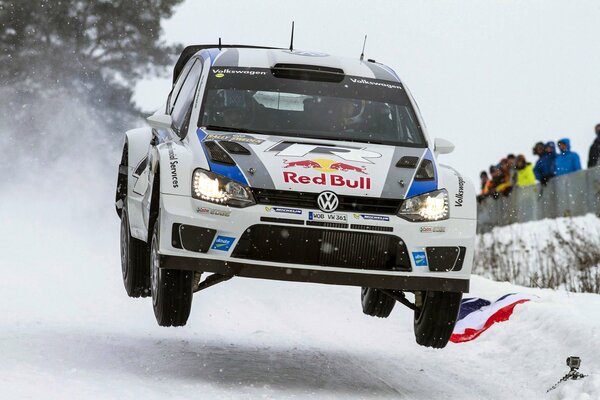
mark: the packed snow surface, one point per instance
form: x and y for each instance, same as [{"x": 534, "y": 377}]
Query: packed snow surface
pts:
[{"x": 68, "y": 330}]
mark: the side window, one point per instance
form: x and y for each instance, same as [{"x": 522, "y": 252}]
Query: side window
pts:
[
  {"x": 177, "y": 87},
  {"x": 186, "y": 95}
]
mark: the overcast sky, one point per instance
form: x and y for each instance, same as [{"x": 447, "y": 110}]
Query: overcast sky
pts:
[{"x": 493, "y": 77}]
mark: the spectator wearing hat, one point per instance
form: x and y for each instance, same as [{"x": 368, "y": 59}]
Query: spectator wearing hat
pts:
[
  {"x": 544, "y": 169},
  {"x": 567, "y": 161},
  {"x": 525, "y": 175}
]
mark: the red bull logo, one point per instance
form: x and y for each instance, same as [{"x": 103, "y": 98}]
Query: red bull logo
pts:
[
  {"x": 325, "y": 165},
  {"x": 343, "y": 167},
  {"x": 301, "y": 164},
  {"x": 327, "y": 180}
]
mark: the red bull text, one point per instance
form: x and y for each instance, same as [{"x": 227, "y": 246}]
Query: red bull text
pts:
[{"x": 327, "y": 179}]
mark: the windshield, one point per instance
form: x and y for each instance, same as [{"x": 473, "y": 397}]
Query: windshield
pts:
[{"x": 355, "y": 109}]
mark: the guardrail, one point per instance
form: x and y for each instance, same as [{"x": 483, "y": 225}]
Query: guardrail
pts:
[{"x": 567, "y": 195}]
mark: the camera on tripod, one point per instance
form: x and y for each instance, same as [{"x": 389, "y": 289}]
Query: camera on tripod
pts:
[{"x": 573, "y": 362}]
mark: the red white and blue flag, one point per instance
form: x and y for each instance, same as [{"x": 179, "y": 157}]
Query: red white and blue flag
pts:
[{"x": 476, "y": 315}]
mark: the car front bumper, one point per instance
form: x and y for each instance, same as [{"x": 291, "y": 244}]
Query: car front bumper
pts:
[{"x": 258, "y": 241}]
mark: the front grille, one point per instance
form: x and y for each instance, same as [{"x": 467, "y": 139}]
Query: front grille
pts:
[
  {"x": 357, "y": 204},
  {"x": 324, "y": 247}
]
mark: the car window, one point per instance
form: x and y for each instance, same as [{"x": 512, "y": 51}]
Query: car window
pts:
[
  {"x": 352, "y": 108},
  {"x": 177, "y": 87},
  {"x": 186, "y": 95}
]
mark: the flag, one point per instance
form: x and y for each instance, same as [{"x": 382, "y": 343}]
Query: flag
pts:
[{"x": 477, "y": 315}]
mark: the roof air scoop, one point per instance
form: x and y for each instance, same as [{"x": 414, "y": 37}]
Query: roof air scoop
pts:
[{"x": 308, "y": 72}]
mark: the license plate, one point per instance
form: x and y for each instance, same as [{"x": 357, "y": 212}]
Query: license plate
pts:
[{"x": 327, "y": 217}]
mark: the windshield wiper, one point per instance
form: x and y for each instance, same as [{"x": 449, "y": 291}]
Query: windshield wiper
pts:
[{"x": 231, "y": 129}]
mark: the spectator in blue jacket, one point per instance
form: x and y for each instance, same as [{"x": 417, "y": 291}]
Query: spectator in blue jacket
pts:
[
  {"x": 544, "y": 169},
  {"x": 567, "y": 161}
]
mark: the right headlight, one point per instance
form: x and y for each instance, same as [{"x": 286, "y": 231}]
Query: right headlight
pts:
[
  {"x": 432, "y": 206},
  {"x": 208, "y": 186}
]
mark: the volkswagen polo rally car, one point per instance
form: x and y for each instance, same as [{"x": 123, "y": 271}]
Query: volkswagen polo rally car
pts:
[{"x": 294, "y": 166}]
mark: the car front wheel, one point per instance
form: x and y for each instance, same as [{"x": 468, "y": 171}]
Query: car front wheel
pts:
[
  {"x": 172, "y": 289},
  {"x": 134, "y": 261},
  {"x": 435, "y": 318}
]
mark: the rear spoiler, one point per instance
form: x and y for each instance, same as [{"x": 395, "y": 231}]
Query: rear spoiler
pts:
[{"x": 189, "y": 51}]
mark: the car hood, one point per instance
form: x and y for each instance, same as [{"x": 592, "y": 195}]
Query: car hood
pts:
[{"x": 314, "y": 165}]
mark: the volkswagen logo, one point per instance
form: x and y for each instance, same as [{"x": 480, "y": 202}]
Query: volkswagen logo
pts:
[{"x": 328, "y": 201}]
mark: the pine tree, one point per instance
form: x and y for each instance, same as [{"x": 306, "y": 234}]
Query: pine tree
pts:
[{"x": 93, "y": 49}]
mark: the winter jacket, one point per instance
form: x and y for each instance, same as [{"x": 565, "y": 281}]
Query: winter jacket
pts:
[
  {"x": 525, "y": 176},
  {"x": 594, "y": 157},
  {"x": 544, "y": 167},
  {"x": 567, "y": 161}
]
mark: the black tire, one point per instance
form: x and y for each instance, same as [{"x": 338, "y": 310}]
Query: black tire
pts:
[
  {"x": 375, "y": 303},
  {"x": 172, "y": 289},
  {"x": 435, "y": 321},
  {"x": 134, "y": 261}
]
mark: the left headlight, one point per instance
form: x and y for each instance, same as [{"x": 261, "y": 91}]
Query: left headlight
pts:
[
  {"x": 432, "y": 206},
  {"x": 216, "y": 188}
]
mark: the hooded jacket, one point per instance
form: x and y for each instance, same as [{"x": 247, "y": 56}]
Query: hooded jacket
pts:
[
  {"x": 594, "y": 156},
  {"x": 525, "y": 176},
  {"x": 567, "y": 161},
  {"x": 545, "y": 167}
]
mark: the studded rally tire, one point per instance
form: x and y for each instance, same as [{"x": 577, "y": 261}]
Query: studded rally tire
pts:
[
  {"x": 172, "y": 290},
  {"x": 134, "y": 261},
  {"x": 375, "y": 303},
  {"x": 435, "y": 321}
]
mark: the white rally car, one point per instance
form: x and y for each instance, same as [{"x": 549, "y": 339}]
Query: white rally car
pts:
[{"x": 294, "y": 166}]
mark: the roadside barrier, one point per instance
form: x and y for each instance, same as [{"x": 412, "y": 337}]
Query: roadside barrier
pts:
[{"x": 564, "y": 196}]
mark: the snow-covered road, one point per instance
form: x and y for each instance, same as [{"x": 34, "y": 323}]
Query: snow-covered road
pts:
[{"x": 67, "y": 329}]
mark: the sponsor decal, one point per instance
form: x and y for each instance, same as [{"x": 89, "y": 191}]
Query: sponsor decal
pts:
[
  {"x": 420, "y": 258},
  {"x": 327, "y": 180},
  {"x": 364, "y": 81},
  {"x": 458, "y": 202},
  {"x": 223, "y": 243},
  {"x": 223, "y": 71},
  {"x": 324, "y": 165},
  {"x": 173, "y": 166},
  {"x": 433, "y": 229},
  {"x": 238, "y": 137},
  {"x": 372, "y": 217},
  {"x": 283, "y": 210},
  {"x": 212, "y": 211},
  {"x": 347, "y": 153}
]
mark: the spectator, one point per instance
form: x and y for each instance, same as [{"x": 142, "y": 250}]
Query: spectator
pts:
[
  {"x": 544, "y": 169},
  {"x": 512, "y": 165},
  {"x": 501, "y": 178},
  {"x": 567, "y": 161},
  {"x": 505, "y": 186},
  {"x": 594, "y": 158},
  {"x": 484, "y": 183},
  {"x": 525, "y": 175},
  {"x": 485, "y": 186}
]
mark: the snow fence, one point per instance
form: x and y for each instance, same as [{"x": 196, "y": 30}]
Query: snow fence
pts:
[
  {"x": 552, "y": 253},
  {"x": 569, "y": 195}
]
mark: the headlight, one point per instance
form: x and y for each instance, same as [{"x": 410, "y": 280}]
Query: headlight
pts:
[
  {"x": 215, "y": 188},
  {"x": 432, "y": 206}
]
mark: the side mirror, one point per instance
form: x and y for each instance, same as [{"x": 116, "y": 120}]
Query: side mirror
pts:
[
  {"x": 161, "y": 122},
  {"x": 442, "y": 146}
]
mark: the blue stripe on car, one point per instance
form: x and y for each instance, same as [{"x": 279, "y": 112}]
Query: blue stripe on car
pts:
[
  {"x": 420, "y": 187},
  {"x": 230, "y": 171}
]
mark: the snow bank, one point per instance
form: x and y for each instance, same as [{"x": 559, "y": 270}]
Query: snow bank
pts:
[{"x": 554, "y": 253}]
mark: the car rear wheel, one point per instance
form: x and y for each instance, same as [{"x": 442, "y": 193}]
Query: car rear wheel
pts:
[
  {"x": 436, "y": 317},
  {"x": 134, "y": 261},
  {"x": 375, "y": 303},
  {"x": 172, "y": 289}
]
